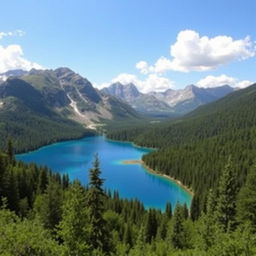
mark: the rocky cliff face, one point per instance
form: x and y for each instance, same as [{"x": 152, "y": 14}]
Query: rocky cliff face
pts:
[
  {"x": 145, "y": 103},
  {"x": 66, "y": 93}
]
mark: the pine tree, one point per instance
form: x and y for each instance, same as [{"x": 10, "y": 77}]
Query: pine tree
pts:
[
  {"x": 48, "y": 205},
  {"x": 185, "y": 210},
  {"x": 73, "y": 228},
  {"x": 195, "y": 209},
  {"x": 10, "y": 151},
  {"x": 128, "y": 235},
  {"x": 151, "y": 226},
  {"x": 246, "y": 204},
  {"x": 43, "y": 181},
  {"x": 12, "y": 191},
  {"x": 98, "y": 235},
  {"x": 226, "y": 202},
  {"x": 178, "y": 231},
  {"x": 2, "y": 171},
  {"x": 168, "y": 210},
  {"x": 207, "y": 224}
]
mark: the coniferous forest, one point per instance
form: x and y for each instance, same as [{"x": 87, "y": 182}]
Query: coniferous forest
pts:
[
  {"x": 43, "y": 213},
  {"x": 195, "y": 149},
  {"x": 128, "y": 128}
]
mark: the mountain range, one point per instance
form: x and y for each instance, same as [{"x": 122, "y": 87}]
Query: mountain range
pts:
[
  {"x": 144, "y": 103},
  {"x": 169, "y": 102},
  {"x": 66, "y": 103},
  {"x": 66, "y": 93},
  {"x": 43, "y": 106}
]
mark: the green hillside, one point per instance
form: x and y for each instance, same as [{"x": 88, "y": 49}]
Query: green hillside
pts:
[
  {"x": 195, "y": 148},
  {"x": 26, "y": 118}
]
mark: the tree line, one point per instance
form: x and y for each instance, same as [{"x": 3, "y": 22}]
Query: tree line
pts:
[{"x": 43, "y": 213}]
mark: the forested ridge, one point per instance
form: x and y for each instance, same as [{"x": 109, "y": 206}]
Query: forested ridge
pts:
[
  {"x": 194, "y": 149},
  {"x": 43, "y": 213},
  {"x": 26, "y": 117}
]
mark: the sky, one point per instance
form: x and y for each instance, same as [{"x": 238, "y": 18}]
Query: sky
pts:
[{"x": 156, "y": 44}]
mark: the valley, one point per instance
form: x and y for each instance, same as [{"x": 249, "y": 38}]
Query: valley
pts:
[
  {"x": 159, "y": 168},
  {"x": 130, "y": 180}
]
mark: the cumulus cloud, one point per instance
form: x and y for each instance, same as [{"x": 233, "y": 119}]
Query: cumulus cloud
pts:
[
  {"x": 153, "y": 82},
  {"x": 191, "y": 52},
  {"x": 144, "y": 67},
  {"x": 11, "y": 57},
  {"x": 215, "y": 81}
]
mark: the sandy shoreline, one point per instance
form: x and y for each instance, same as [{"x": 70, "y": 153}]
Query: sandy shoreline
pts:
[{"x": 189, "y": 190}]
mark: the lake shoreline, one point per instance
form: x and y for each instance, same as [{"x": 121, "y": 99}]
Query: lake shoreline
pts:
[
  {"x": 178, "y": 182},
  {"x": 130, "y": 142}
]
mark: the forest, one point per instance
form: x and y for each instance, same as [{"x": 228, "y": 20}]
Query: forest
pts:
[
  {"x": 195, "y": 148},
  {"x": 43, "y": 213}
]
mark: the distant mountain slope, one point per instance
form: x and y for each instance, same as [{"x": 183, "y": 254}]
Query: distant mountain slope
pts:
[
  {"x": 195, "y": 148},
  {"x": 191, "y": 97},
  {"x": 126, "y": 92},
  {"x": 26, "y": 118},
  {"x": 48, "y": 105},
  {"x": 170, "y": 102},
  {"x": 144, "y": 103},
  {"x": 12, "y": 73},
  {"x": 75, "y": 97},
  {"x": 233, "y": 111}
]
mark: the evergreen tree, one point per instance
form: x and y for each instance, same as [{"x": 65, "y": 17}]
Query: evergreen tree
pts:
[
  {"x": 207, "y": 224},
  {"x": 73, "y": 228},
  {"x": 10, "y": 150},
  {"x": 151, "y": 226},
  {"x": 246, "y": 205},
  {"x": 178, "y": 230},
  {"x": 128, "y": 235},
  {"x": 162, "y": 229},
  {"x": 2, "y": 171},
  {"x": 195, "y": 209},
  {"x": 12, "y": 191},
  {"x": 98, "y": 236},
  {"x": 43, "y": 181},
  {"x": 185, "y": 211},
  {"x": 48, "y": 206},
  {"x": 168, "y": 210},
  {"x": 226, "y": 202}
]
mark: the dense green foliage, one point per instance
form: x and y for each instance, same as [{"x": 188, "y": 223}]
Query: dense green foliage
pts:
[
  {"x": 194, "y": 149},
  {"x": 43, "y": 214}
]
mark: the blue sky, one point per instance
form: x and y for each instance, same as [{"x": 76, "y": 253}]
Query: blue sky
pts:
[{"x": 103, "y": 40}]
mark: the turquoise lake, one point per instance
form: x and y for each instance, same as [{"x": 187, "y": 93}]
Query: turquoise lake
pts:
[{"x": 130, "y": 180}]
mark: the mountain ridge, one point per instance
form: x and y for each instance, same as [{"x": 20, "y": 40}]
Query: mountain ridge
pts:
[{"x": 170, "y": 101}]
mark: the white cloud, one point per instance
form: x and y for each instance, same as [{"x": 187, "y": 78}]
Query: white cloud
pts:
[
  {"x": 215, "y": 81},
  {"x": 153, "y": 82},
  {"x": 191, "y": 52},
  {"x": 11, "y": 57},
  {"x": 17, "y": 32},
  {"x": 144, "y": 67}
]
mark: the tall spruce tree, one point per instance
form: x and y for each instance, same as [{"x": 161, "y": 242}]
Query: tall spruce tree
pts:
[
  {"x": 73, "y": 228},
  {"x": 246, "y": 204},
  {"x": 226, "y": 202},
  {"x": 168, "y": 210},
  {"x": 10, "y": 150},
  {"x": 207, "y": 226},
  {"x": 195, "y": 209},
  {"x": 178, "y": 230},
  {"x": 48, "y": 206},
  {"x": 151, "y": 226},
  {"x": 98, "y": 235}
]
